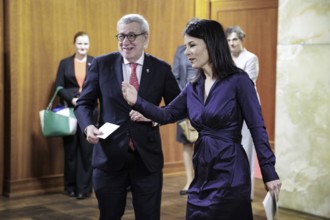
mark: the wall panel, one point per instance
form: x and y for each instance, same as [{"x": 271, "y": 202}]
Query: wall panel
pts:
[{"x": 38, "y": 34}]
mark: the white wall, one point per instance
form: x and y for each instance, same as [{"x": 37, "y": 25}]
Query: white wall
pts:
[{"x": 302, "y": 121}]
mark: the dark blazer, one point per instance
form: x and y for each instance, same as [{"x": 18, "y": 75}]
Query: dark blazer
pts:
[
  {"x": 104, "y": 83},
  {"x": 66, "y": 78}
]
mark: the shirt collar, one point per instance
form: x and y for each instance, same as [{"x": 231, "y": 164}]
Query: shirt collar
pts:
[{"x": 139, "y": 61}]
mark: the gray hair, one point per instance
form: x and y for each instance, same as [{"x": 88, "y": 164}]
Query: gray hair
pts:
[
  {"x": 235, "y": 29},
  {"x": 130, "y": 18}
]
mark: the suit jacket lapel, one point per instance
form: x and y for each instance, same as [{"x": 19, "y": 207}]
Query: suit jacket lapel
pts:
[
  {"x": 118, "y": 70},
  {"x": 147, "y": 74},
  {"x": 89, "y": 62},
  {"x": 71, "y": 67}
]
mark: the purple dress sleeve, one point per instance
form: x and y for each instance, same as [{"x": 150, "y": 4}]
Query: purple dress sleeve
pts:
[{"x": 251, "y": 111}]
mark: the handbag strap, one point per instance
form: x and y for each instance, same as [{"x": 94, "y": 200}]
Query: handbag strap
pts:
[{"x": 50, "y": 105}]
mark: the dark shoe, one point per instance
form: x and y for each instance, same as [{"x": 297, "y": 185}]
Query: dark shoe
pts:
[
  {"x": 69, "y": 193},
  {"x": 82, "y": 196},
  {"x": 183, "y": 192}
]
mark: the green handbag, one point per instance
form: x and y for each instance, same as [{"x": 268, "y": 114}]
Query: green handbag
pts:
[{"x": 60, "y": 123}]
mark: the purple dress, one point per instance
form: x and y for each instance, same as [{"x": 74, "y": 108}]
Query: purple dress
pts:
[{"x": 221, "y": 188}]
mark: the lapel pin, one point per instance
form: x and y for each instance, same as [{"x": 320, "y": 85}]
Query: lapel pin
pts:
[{"x": 147, "y": 70}]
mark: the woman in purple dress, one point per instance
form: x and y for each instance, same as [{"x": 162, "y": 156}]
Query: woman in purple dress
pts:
[{"x": 217, "y": 102}]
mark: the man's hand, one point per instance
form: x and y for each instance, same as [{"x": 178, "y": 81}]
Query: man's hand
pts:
[{"x": 91, "y": 134}]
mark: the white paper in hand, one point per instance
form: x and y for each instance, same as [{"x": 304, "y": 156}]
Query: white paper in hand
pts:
[
  {"x": 107, "y": 129},
  {"x": 270, "y": 207}
]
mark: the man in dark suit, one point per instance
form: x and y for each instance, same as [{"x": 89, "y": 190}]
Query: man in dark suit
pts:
[{"x": 132, "y": 155}]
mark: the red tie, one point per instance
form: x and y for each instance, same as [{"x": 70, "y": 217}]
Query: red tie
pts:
[
  {"x": 130, "y": 144},
  {"x": 133, "y": 80}
]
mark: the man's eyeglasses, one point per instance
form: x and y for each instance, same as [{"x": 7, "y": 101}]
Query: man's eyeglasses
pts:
[{"x": 131, "y": 37}]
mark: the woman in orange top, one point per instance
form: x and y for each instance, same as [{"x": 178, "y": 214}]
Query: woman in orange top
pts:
[{"x": 77, "y": 151}]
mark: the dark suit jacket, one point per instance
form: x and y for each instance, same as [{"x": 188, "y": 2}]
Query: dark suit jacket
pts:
[
  {"x": 104, "y": 83},
  {"x": 67, "y": 79}
]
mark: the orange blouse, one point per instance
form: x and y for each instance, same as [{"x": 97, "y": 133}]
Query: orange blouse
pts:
[{"x": 80, "y": 72}]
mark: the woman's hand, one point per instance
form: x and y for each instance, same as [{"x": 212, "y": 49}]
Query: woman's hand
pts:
[
  {"x": 74, "y": 101},
  {"x": 137, "y": 116},
  {"x": 274, "y": 187},
  {"x": 129, "y": 93}
]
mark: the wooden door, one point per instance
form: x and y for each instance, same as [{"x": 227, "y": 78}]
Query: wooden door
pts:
[{"x": 258, "y": 18}]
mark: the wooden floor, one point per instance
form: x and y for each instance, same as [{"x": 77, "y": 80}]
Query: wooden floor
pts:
[{"x": 59, "y": 206}]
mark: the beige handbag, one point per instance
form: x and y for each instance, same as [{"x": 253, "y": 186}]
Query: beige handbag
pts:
[{"x": 189, "y": 131}]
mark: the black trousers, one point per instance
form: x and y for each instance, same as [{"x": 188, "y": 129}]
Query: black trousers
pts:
[
  {"x": 77, "y": 163},
  {"x": 111, "y": 190}
]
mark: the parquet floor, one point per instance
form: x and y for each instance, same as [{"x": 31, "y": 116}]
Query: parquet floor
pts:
[{"x": 60, "y": 207}]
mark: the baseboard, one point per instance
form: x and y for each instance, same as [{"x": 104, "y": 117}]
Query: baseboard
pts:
[
  {"x": 54, "y": 183},
  {"x": 172, "y": 168},
  {"x": 33, "y": 186}
]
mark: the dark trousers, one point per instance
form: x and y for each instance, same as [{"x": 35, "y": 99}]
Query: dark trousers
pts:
[
  {"x": 77, "y": 163},
  {"x": 111, "y": 190}
]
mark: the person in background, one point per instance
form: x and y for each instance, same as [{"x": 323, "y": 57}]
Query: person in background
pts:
[
  {"x": 132, "y": 155},
  {"x": 247, "y": 61},
  {"x": 71, "y": 75},
  {"x": 217, "y": 103},
  {"x": 184, "y": 73}
]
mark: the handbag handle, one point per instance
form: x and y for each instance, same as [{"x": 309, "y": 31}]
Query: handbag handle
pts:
[{"x": 50, "y": 105}]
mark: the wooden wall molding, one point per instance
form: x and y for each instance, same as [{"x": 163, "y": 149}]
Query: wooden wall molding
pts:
[
  {"x": 34, "y": 186},
  {"x": 2, "y": 96},
  {"x": 173, "y": 167}
]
